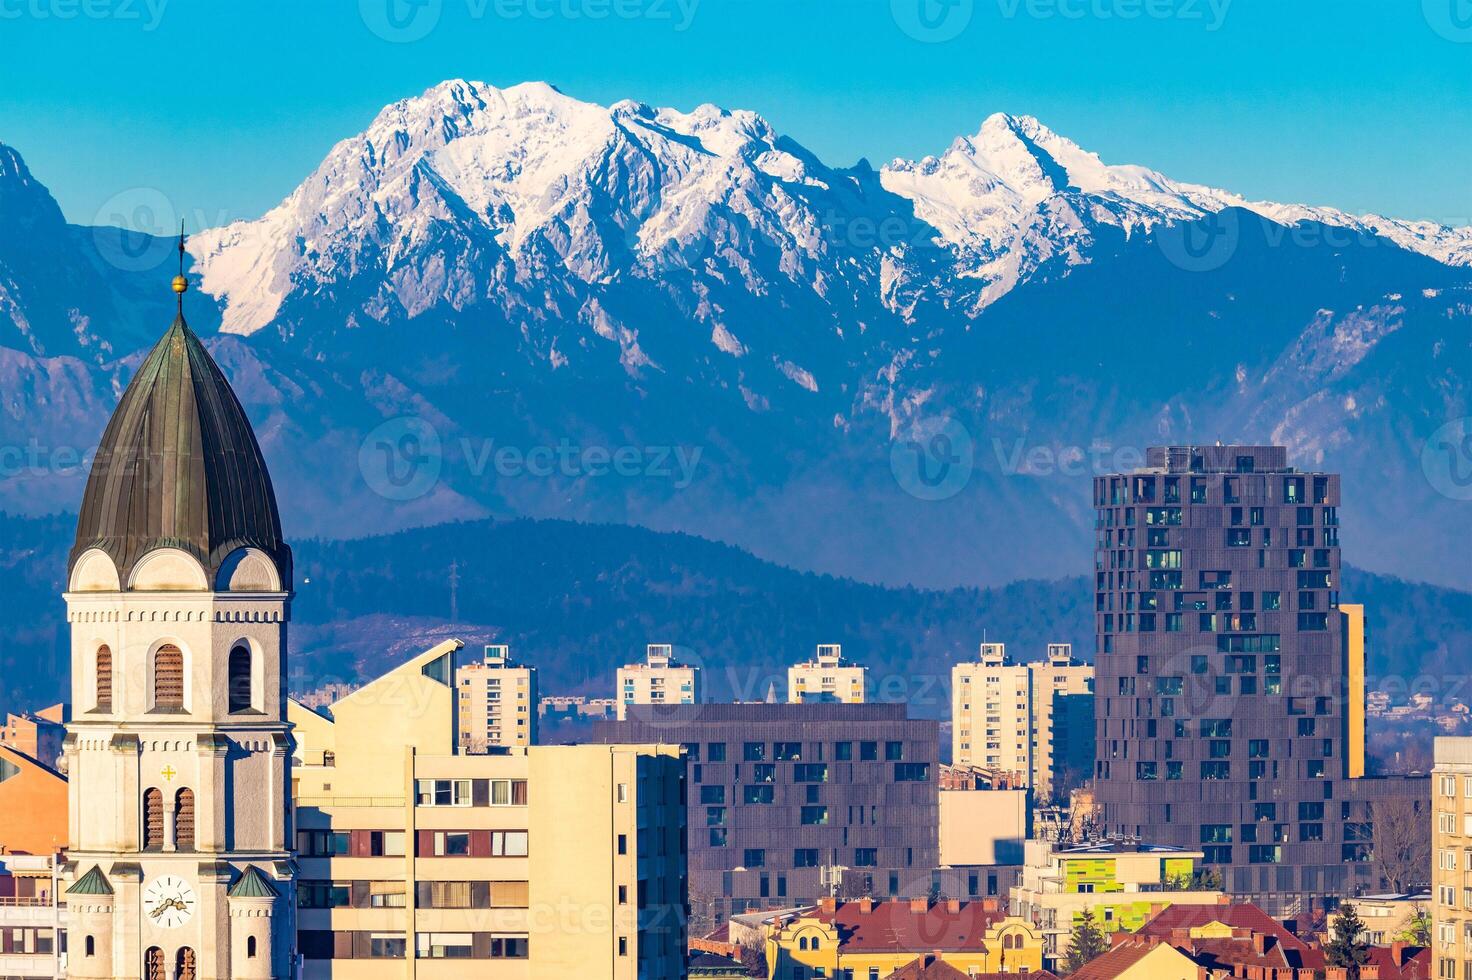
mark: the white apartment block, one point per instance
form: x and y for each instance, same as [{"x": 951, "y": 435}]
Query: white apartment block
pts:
[
  {"x": 661, "y": 679},
  {"x": 827, "y": 677},
  {"x": 498, "y": 703},
  {"x": 1022, "y": 720}
]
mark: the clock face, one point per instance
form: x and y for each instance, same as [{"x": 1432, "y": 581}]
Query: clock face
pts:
[{"x": 168, "y": 901}]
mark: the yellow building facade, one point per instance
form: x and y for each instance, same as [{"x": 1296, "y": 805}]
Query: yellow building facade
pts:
[
  {"x": 541, "y": 862},
  {"x": 869, "y": 940}
]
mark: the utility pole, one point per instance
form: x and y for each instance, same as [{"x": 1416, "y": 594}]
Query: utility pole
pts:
[{"x": 454, "y": 591}]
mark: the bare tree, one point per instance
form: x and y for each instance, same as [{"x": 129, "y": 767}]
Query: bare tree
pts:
[{"x": 1402, "y": 843}]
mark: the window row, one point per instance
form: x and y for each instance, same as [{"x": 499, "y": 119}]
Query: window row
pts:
[{"x": 167, "y": 681}]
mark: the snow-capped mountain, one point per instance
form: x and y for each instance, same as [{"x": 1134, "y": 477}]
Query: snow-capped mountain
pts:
[
  {"x": 528, "y": 177},
  {"x": 520, "y": 285}
]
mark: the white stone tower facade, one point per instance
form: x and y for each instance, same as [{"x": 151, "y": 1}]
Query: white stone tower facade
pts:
[{"x": 180, "y": 858}]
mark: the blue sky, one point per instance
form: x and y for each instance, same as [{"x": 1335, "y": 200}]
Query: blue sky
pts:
[{"x": 225, "y": 105}]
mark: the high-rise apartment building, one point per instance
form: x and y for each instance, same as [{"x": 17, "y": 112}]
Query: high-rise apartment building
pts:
[
  {"x": 1029, "y": 723},
  {"x": 498, "y": 702},
  {"x": 991, "y": 714},
  {"x": 543, "y": 861},
  {"x": 661, "y": 679},
  {"x": 1451, "y": 858},
  {"x": 827, "y": 677},
  {"x": 1230, "y": 675}
]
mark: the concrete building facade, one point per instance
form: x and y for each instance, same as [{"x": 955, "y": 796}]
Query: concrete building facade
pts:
[
  {"x": 827, "y": 677},
  {"x": 498, "y": 702},
  {"x": 536, "y": 862},
  {"x": 1451, "y": 858},
  {"x": 1029, "y": 724},
  {"x": 661, "y": 679}
]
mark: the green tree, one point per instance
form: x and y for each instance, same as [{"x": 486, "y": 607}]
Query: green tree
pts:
[
  {"x": 1417, "y": 931},
  {"x": 1348, "y": 947},
  {"x": 1086, "y": 943}
]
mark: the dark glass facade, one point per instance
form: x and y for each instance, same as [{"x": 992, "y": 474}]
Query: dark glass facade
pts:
[{"x": 1223, "y": 712}]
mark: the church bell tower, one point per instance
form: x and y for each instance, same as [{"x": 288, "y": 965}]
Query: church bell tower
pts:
[{"x": 178, "y": 595}]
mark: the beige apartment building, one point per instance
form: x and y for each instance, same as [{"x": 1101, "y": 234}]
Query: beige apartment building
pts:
[
  {"x": 539, "y": 862},
  {"x": 827, "y": 677},
  {"x": 661, "y": 679},
  {"x": 1451, "y": 858},
  {"x": 1023, "y": 721},
  {"x": 498, "y": 702}
]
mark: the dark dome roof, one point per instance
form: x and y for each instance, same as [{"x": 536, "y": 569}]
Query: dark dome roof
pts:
[{"x": 179, "y": 467}]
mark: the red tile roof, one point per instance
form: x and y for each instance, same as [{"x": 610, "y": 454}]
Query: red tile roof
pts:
[
  {"x": 1402, "y": 962},
  {"x": 1242, "y": 915},
  {"x": 894, "y": 925}
]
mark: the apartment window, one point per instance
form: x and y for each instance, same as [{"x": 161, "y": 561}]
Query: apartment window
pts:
[
  {"x": 866, "y": 857},
  {"x": 444, "y": 945},
  {"x": 894, "y": 751},
  {"x": 868, "y": 751},
  {"x": 451, "y": 843},
  {"x": 843, "y": 751},
  {"x": 810, "y": 772},
  {"x": 754, "y": 751},
  {"x": 386, "y": 843},
  {"x": 713, "y": 795},
  {"x": 805, "y": 857},
  {"x": 787, "y": 751},
  {"x": 758, "y": 795},
  {"x": 513, "y": 843},
  {"x": 442, "y": 792},
  {"x": 814, "y": 816},
  {"x": 911, "y": 772},
  {"x": 715, "y": 752},
  {"x": 754, "y": 857},
  {"x": 512, "y": 792}
]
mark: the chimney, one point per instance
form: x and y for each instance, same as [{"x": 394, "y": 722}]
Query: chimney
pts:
[
  {"x": 1335, "y": 973},
  {"x": 866, "y": 904},
  {"x": 1398, "y": 953},
  {"x": 1261, "y": 942},
  {"x": 919, "y": 905},
  {"x": 1180, "y": 934},
  {"x": 1368, "y": 972},
  {"x": 828, "y": 905},
  {"x": 991, "y": 905},
  {"x": 953, "y": 906}
]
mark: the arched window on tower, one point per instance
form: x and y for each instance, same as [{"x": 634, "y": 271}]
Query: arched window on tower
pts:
[
  {"x": 168, "y": 677},
  {"x": 153, "y": 964},
  {"x": 153, "y": 819},
  {"x": 185, "y": 969},
  {"x": 184, "y": 820},
  {"x": 240, "y": 679},
  {"x": 250, "y": 947},
  {"x": 91, "y": 946},
  {"x": 104, "y": 678}
]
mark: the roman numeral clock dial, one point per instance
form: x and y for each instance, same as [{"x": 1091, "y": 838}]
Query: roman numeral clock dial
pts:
[{"x": 168, "y": 901}]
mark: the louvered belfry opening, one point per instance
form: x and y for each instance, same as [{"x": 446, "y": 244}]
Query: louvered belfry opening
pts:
[
  {"x": 168, "y": 677},
  {"x": 186, "y": 970},
  {"x": 104, "y": 678},
  {"x": 153, "y": 819},
  {"x": 240, "y": 683},
  {"x": 184, "y": 820},
  {"x": 153, "y": 964}
]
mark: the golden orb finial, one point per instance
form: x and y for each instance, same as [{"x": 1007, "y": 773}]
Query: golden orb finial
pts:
[{"x": 181, "y": 285}]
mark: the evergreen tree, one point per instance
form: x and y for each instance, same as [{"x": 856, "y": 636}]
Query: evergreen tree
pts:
[
  {"x": 1086, "y": 943},
  {"x": 1348, "y": 947}
]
